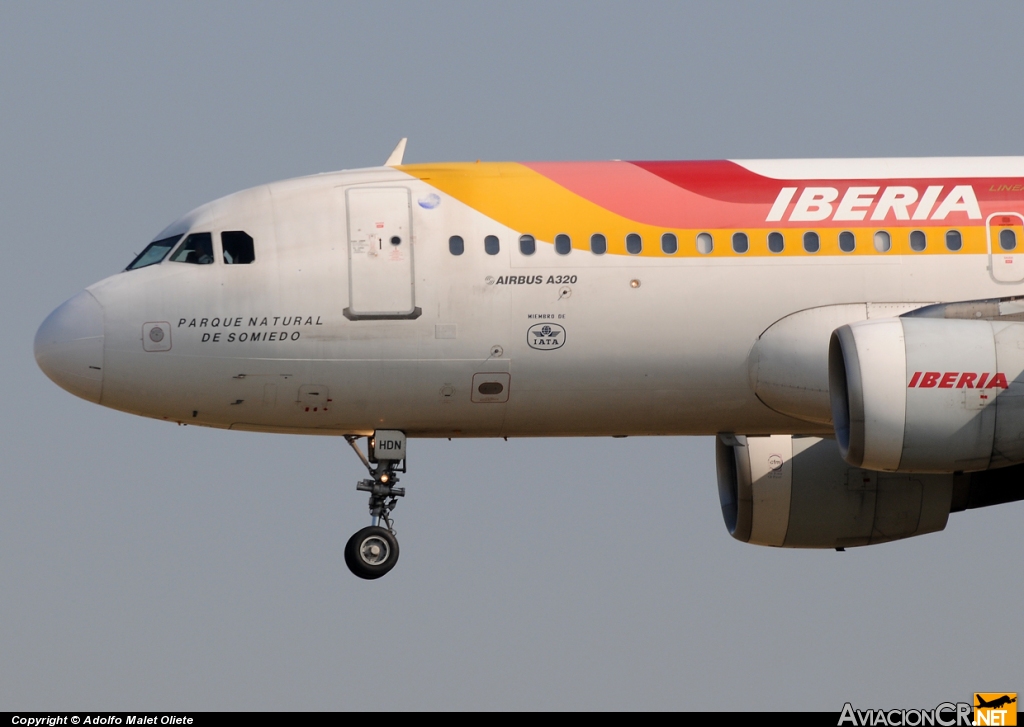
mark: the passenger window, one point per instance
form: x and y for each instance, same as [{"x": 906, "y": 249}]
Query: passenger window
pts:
[
  {"x": 705, "y": 244},
  {"x": 776, "y": 242},
  {"x": 918, "y": 240},
  {"x": 740, "y": 243},
  {"x": 634, "y": 243},
  {"x": 847, "y": 242},
  {"x": 492, "y": 245},
  {"x": 154, "y": 253},
  {"x": 812, "y": 243},
  {"x": 669, "y": 243},
  {"x": 882, "y": 241},
  {"x": 197, "y": 249},
  {"x": 527, "y": 244},
  {"x": 953, "y": 240},
  {"x": 598, "y": 244},
  {"x": 456, "y": 245},
  {"x": 238, "y": 248},
  {"x": 563, "y": 244},
  {"x": 1007, "y": 239}
]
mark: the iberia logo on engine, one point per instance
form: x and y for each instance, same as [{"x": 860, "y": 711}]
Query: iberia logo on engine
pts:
[
  {"x": 957, "y": 380},
  {"x": 995, "y": 708}
]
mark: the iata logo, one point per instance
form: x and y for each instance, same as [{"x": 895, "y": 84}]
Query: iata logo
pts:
[
  {"x": 546, "y": 336},
  {"x": 956, "y": 380},
  {"x": 816, "y": 204}
]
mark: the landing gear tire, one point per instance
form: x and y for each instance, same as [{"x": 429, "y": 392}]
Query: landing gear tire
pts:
[{"x": 371, "y": 552}]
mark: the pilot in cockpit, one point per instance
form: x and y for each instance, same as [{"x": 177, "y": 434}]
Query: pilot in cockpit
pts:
[{"x": 197, "y": 249}]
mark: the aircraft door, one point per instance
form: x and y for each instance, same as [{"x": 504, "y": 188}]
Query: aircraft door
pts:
[
  {"x": 380, "y": 254},
  {"x": 1005, "y": 233}
]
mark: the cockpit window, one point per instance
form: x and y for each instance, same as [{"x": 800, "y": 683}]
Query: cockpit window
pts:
[
  {"x": 154, "y": 253},
  {"x": 238, "y": 248},
  {"x": 197, "y": 249}
]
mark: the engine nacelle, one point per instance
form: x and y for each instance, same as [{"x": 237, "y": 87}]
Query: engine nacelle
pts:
[
  {"x": 928, "y": 394},
  {"x": 797, "y": 492},
  {"x": 789, "y": 362}
]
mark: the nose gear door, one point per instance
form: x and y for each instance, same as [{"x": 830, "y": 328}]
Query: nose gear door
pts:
[
  {"x": 380, "y": 254},
  {"x": 1005, "y": 233}
]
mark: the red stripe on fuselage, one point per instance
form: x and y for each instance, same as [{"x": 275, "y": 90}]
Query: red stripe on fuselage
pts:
[
  {"x": 723, "y": 194},
  {"x": 629, "y": 190},
  {"x": 722, "y": 180}
]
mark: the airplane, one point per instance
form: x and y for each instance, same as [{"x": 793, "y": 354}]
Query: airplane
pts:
[
  {"x": 995, "y": 703},
  {"x": 850, "y": 331}
]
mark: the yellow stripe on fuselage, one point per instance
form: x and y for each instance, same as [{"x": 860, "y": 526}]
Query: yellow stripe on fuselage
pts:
[{"x": 519, "y": 198}]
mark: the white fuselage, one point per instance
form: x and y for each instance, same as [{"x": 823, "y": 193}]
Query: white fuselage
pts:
[{"x": 648, "y": 345}]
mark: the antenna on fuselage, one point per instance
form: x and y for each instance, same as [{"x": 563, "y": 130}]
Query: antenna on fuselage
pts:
[{"x": 396, "y": 156}]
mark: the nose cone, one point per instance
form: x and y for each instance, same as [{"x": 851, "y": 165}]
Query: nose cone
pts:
[{"x": 69, "y": 347}]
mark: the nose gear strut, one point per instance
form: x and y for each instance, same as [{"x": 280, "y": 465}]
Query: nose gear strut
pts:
[
  {"x": 373, "y": 551},
  {"x": 383, "y": 494}
]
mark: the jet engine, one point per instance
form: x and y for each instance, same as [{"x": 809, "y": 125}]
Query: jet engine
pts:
[
  {"x": 797, "y": 492},
  {"x": 928, "y": 394}
]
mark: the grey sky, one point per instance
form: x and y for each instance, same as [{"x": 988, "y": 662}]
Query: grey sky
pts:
[{"x": 144, "y": 565}]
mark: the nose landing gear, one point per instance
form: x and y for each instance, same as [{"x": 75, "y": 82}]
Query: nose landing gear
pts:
[{"x": 373, "y": 551}]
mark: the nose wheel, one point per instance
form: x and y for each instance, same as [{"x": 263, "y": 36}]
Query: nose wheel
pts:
[{"x": 373, "y": 551}]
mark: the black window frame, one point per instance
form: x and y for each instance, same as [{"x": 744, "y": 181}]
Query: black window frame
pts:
[
  {"x": 184, "y": 243},
  {"x": 669, "y": 243},
  {"x": 172, "y": 242},
  {"x": 634, "y": 243},
  {"x": 920, "y": 234},
  {"x": 1013, "y": 233},
  {"x": 225, "y": 243},
  {"x": 888, "y": 239},
  {"x": 740, "y": 239},
  {"x": 563, "y": 240},
  {"x": 812, "y": 239},
  {"x": 705, "y": 236},
  {"x": 954, "y": 234},
  {"x": 847, "y": 235}
]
